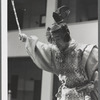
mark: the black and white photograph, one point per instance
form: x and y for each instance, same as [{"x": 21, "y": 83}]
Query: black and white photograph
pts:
[{"x": 51, "y": 50}]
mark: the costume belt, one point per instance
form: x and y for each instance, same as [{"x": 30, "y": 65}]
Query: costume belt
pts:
[{"x": 89, "y": 87}]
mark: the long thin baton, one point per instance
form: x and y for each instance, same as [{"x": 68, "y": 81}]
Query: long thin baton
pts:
[{"x": 12, "y": 1}]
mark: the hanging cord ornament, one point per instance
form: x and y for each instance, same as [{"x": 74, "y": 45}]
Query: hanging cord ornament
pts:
[{"x": 18, "y": 25}]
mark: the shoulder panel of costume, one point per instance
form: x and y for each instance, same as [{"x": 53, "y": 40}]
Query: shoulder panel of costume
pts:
[{"x": 86, "y": 52}]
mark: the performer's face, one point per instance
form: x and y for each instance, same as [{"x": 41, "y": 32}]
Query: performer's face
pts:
[
  {"x": 58, "y": 35},
  {"x": 58, "y": 38}
]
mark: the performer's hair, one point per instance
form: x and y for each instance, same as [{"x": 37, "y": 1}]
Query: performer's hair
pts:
[{"x": 55, "y": 28}]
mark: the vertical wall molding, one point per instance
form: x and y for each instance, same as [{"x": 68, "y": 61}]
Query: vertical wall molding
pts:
[{"x": 47, "y": 78}]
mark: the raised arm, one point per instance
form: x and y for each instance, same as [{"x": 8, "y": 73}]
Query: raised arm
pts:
[{"x": 38, "y": 51}]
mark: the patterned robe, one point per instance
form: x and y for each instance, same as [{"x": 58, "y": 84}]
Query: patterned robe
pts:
[{"x": 76, "y": 67}]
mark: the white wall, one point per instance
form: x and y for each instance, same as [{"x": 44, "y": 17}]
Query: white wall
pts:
[
  {"x": 16, "y": 47},
  {"x": 85, "y": 32}
]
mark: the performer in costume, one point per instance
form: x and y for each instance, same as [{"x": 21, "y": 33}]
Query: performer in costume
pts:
[{"x": 75, "y": 64}]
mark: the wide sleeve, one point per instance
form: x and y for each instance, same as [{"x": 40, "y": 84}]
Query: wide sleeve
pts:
[
  {"x": 39, "y": 52},
  {"x": 92, "y": 71},
  {"x": 92, "y": 63}
]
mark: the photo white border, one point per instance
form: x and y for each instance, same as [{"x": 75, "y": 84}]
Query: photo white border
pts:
[{"x": 4, "y": 71}]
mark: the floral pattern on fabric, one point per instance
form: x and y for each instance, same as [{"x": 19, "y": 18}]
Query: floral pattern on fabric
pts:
[{"x": 69, "y": 63}]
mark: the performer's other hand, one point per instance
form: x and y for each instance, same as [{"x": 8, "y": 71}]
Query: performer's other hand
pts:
[{"x": 23, "y": 37}]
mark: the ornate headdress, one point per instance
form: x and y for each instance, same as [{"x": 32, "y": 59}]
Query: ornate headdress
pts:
[
  {"x": 60, "y": 14},
  {"x": 60, "y": 24}
]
